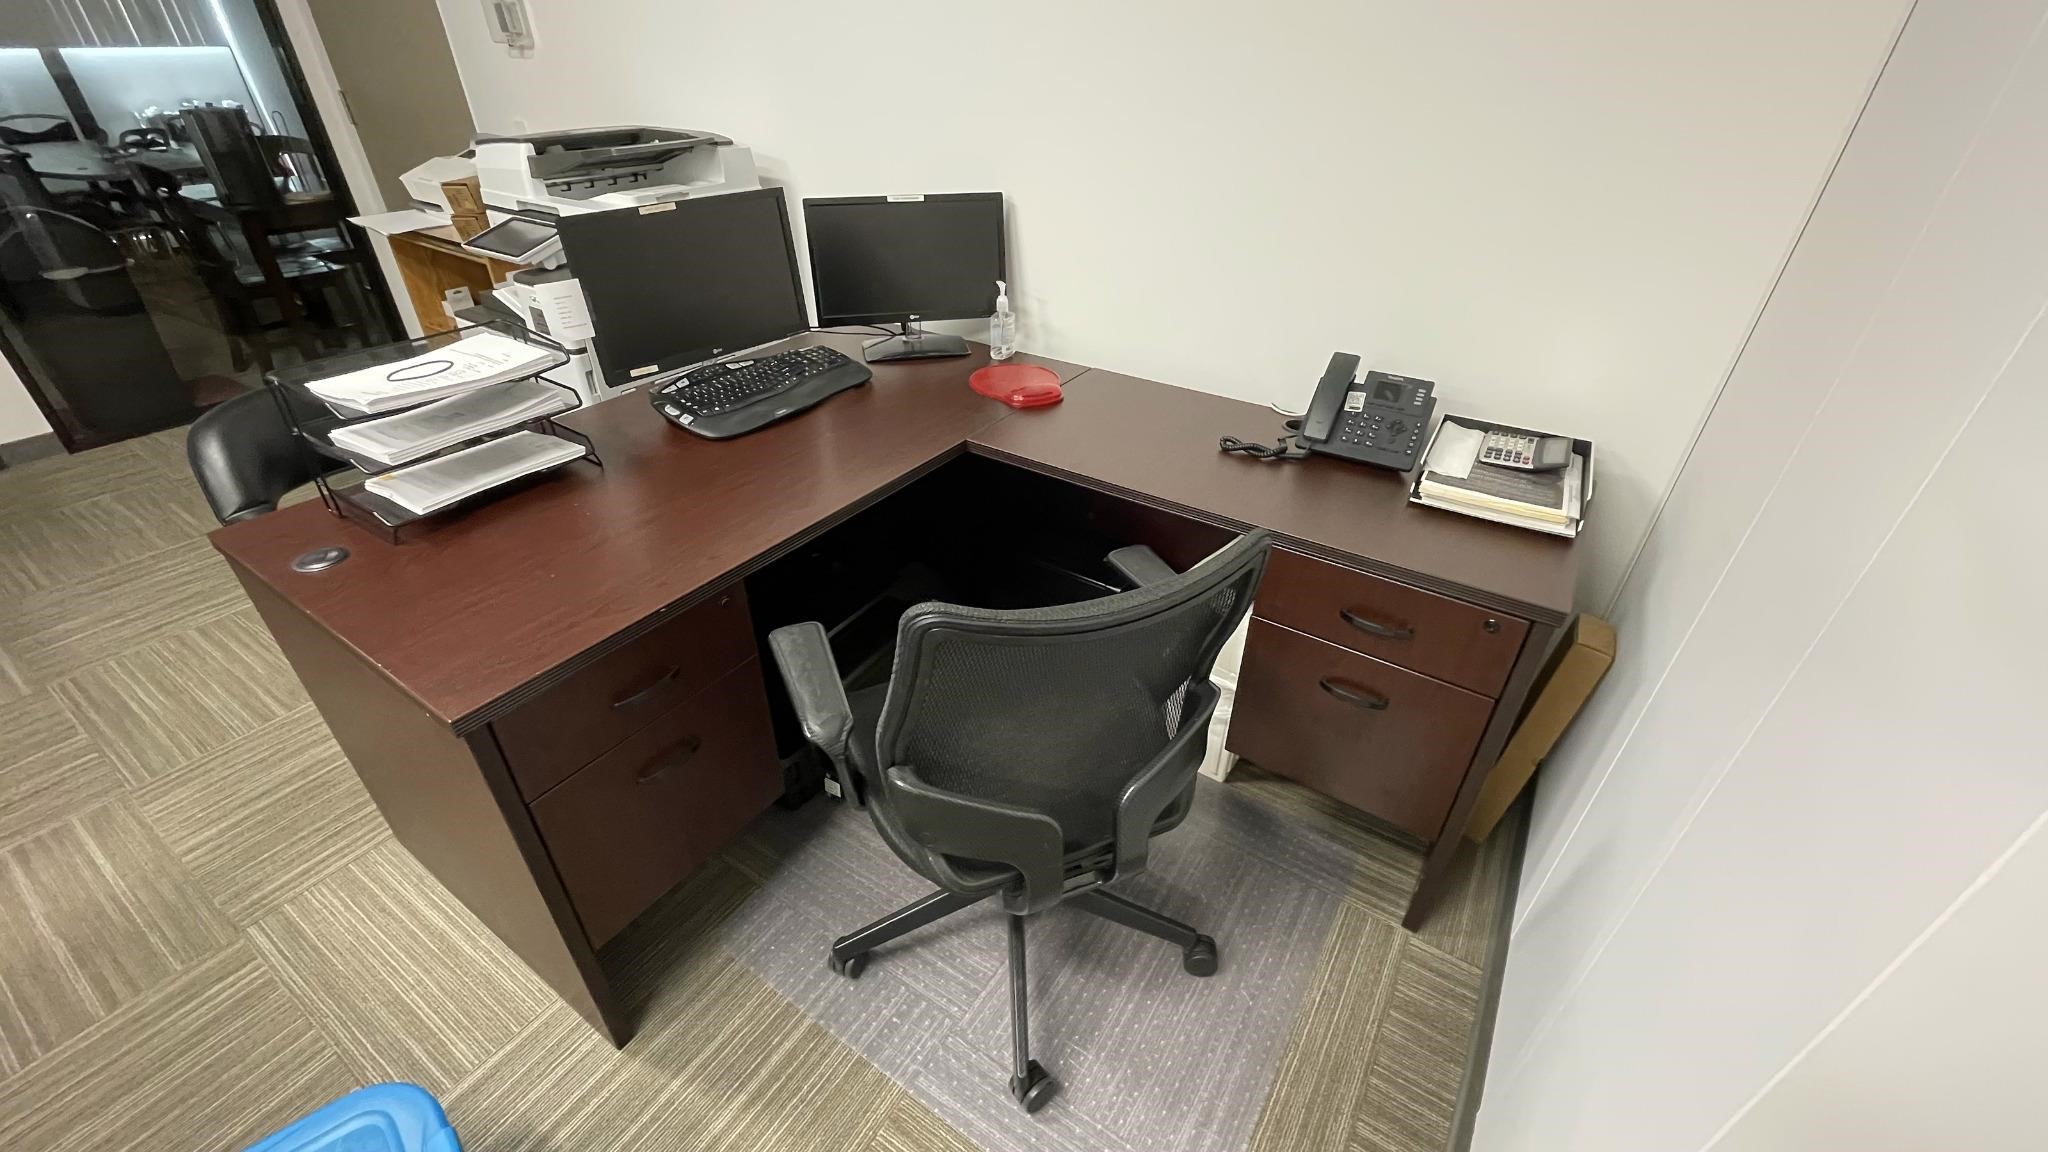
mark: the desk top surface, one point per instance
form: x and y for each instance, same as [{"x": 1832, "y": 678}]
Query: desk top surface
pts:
[
  {"x": 476, "y": 613},
  {"x": 1158, "y": 443}
]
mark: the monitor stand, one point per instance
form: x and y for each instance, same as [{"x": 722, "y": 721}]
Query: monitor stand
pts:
[{"x": 913, "y": 343}]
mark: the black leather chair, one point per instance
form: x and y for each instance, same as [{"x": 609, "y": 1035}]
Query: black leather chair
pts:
[
  {"x": 244, "y": 456},
  {"x": 35, "y": 128},
  {"x": 1031, "y": 755}
]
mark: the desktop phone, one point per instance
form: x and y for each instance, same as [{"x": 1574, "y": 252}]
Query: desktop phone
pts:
[{"x": 1379, "y": 420}]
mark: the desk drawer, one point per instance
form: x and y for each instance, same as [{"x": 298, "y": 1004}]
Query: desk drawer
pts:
[
  {"x": 1431, "y": 634},
  {"x": 646, "y": 814},
  {"x": 575, "y": 722},
  {"x": 1381, "y": 739}
]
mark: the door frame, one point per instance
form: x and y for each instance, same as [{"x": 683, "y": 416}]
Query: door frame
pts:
[{"x": 347, "y": 179}]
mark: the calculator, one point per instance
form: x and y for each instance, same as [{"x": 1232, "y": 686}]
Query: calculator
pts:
[{"x": 1526, "y": 451}]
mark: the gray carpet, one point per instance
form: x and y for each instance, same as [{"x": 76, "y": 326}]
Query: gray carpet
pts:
[{"x": 1148, "y": 1057}]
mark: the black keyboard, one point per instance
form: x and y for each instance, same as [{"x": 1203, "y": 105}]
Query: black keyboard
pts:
[{"x": 738, "y": 396}]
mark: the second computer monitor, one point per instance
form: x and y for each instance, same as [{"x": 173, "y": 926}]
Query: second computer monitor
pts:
[{"x": 904, "y": 260}]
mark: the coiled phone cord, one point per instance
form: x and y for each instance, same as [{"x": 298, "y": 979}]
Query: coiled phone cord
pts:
[{"x": 1285, "y": 448}]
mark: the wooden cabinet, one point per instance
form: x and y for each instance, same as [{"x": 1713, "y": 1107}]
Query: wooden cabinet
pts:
[
  {"x": 1437, "y": 636},
  {"x": 1380, "y": 738},
  {"x": 433, "y": 261},
  {"x": 643, "y": 816},
  {"x": 1368, "y": 690},
  {"x": 575, "y": 722}
]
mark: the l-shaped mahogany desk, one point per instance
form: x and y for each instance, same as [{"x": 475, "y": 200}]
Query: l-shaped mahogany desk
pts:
[{"x": 557, "y": 702}]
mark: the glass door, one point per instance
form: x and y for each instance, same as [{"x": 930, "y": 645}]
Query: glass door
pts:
[{"x": 171, "y": 223}]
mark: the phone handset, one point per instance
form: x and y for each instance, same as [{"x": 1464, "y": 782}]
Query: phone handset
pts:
[{"x": 1329, "y": 397}]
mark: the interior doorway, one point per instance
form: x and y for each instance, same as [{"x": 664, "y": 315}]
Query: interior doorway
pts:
[{"x": 172, "y": 221}]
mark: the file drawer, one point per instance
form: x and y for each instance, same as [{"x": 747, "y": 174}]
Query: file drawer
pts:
[
  {"x": 648, "y": 813},
  {"x": 578, "y": 720},
  {"x": 1435, "y": 635},
  {"x": 1382, "y": 739}
]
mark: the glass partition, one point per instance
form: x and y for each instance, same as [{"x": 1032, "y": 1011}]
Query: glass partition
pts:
[{"x": 168, "y": 229}]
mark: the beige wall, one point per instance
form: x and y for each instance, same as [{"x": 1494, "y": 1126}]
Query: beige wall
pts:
[{"x": 19, "y": 416}]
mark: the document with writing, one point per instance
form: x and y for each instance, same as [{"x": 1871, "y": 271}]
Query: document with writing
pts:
[
  {"x": 430, "y": 428},
  {"x": 478, "y": 360},
  {"x": 445, "y": 480}
]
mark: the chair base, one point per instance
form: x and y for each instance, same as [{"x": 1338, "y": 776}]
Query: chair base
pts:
[{"x": 1030, "y": 1083}]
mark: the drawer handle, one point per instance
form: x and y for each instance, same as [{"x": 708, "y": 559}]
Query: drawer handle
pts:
[
  {"x": 642, "y": 695},
  {"x": 1374, "y": 627},
  {"x": 654, "y": 771},
  {"x": 1353, "y": 694}
]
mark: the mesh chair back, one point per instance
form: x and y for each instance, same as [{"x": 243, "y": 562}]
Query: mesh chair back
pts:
[{"x": 1058, "y": 709}]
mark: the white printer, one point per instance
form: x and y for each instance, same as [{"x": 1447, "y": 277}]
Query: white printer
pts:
[
  {"x": 529, "y": 181},
  {"x": 592, "y": 169}
]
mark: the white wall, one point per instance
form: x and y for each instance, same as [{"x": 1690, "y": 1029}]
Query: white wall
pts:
[
  {"x": 1567, "y": 213},
  {"x": 1818, "y": 739},
  {"x": 19, "y": 416}
]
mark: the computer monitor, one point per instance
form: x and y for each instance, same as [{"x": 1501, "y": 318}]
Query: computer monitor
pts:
[
  {"x": 904, "y": 260},
  {"x": 675, "y": 284}
]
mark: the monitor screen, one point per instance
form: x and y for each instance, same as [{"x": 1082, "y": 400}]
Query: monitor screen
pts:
[
  {"x": 880, "y": 259},
  {"x": 670, "y": 285}
]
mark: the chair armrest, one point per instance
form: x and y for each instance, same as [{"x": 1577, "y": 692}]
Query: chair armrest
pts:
[
  {"x": 979, "y": 829},
  {"x": 804, "y": 655},
  {"x": 1140, "y": 565},
  {"x": 1162, "y": 781}
]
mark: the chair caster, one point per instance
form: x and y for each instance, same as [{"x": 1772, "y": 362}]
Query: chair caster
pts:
[
  {"x": 1034, "y": 1089},
  {"x": 851, "y": 969},
  {"x": 1200, "y": 957}
]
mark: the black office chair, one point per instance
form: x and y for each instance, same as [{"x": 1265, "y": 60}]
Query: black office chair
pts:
[
  {"x": 1031, "y": 754},
  {"x": 235, "y": 163},
  {"x": 243, "y": 455}
]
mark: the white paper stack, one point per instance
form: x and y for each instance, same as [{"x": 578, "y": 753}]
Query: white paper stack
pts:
[
  {"x": 442, "y": 424},
  {"x": 434, "y": 485},
  {"x": 1455, "y": 480},
  {"x": 478, "y": 360}
]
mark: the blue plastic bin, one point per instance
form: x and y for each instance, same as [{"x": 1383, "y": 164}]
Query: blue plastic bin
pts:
[{"x": 380, "y": 1118}]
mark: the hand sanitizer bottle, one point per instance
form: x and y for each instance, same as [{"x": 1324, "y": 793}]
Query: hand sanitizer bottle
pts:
[{"x": 1002, "y": 327}]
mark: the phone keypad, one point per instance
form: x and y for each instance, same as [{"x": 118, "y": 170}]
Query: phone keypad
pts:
[{"x": 1394, "y": 433}]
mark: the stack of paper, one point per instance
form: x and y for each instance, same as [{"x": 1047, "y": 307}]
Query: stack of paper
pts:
[
  {"x": 443, "y": 424},
  {"x": 1453, "y": 479},
  {"x": 478, "y": 360},
  {"x": 434, "y": 485}
]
